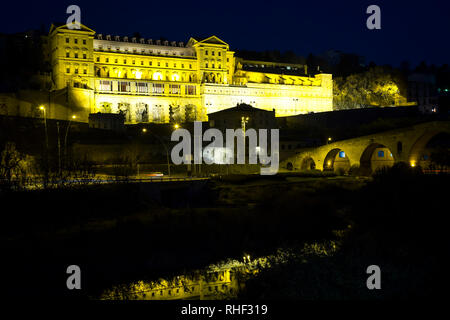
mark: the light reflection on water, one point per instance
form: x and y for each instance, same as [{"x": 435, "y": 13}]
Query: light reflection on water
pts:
[{"x": 216, "y": 282}]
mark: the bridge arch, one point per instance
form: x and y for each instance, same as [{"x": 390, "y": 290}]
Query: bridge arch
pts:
[
  {"x": 307, "y": 163},
  {"x": 416, "y": 155},
  {"x": 374, "y": 156},
  {"x": 336, "y": 159}
]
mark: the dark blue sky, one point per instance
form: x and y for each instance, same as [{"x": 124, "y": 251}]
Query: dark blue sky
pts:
[{"x": 411, "y": 30}]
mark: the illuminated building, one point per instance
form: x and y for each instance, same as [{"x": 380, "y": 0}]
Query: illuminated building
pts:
[{"x": 160, "y": 81}]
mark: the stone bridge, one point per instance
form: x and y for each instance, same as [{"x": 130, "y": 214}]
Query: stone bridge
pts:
[{"x": 371, "y": 151}]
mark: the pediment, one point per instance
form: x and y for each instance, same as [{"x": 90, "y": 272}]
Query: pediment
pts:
[
  {"x": 214, "y": 40},
  {"x": 55, "y": 27}
]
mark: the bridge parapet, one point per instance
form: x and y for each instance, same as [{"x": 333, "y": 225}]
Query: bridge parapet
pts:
[{"x": 403, "y": 144}]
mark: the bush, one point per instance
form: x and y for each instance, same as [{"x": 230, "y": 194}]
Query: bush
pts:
[
  {"x": 340, "y": 171},
  {"x": 354, "y": 170}
]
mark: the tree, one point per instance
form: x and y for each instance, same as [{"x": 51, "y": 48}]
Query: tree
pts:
[
  {"x": 14, "y": 165},
  {"x": 375, "y": 87}
]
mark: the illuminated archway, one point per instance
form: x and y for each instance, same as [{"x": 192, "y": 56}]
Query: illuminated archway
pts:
[
  {"x": 375, "y": 156},
  {"x": 175, "y": 77},
  {"x": 307, "y": 164},
  {"x": 336, "y": 159},
  {"x": 157, "y": 76}
]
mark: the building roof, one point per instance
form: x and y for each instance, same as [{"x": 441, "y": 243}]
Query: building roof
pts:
[{"x": 240, "y": 108}]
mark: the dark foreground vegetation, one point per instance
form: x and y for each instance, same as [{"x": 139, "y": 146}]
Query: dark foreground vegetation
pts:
[{"x": 124, "y": 232}]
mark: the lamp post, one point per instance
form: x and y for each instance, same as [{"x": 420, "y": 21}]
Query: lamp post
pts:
[
  {"x": 244, "y": 121},
  {"x": 144, "y": 130},
  {"x": 329, "y": 140},
  {"x": 65, "y": 138},
  {"x": 45, "y": 125}
]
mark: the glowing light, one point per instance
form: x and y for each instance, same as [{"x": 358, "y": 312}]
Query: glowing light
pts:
[
  {"x": 176, "y": 126},
  {"x": 157, "y": 76},
  {"x": 138, "y": 74},
  {"x": 175, "y": 77},
  {"x": 144, "y": 130},
  {"x": 329, "y": 139},
  {"x": 329, "y": 163},
  {"x": 42, "y": 108},
  {"x": 413, "y": 163},
  {"x": 74, "y": 117}
]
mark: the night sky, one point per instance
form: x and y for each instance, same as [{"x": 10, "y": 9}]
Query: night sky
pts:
[{"x": 411, "y": 30}]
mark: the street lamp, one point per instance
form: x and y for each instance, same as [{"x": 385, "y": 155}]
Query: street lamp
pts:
[
  {"x": 176, "y": 126},
  {"x": 45, "y": 124},
  {"x": 65, "y": 138},
  {"x": 329, "y": 140},
  {"x": 244, "y": 121}
]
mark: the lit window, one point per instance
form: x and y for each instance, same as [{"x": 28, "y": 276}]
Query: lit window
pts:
[
  {"x": 175, "y": 77},
  {"x": 341, "y": 154},
  {"x": 138, "y": 74},
  {"x": 381, "y": 154},
  {"x": 157, "y": 76}
]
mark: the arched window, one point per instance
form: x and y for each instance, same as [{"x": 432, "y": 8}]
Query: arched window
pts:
[
  {"x": 175, "y": 77},
  {"x": 137, "y": 74},
  {"x": 157, "y": 76}
]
